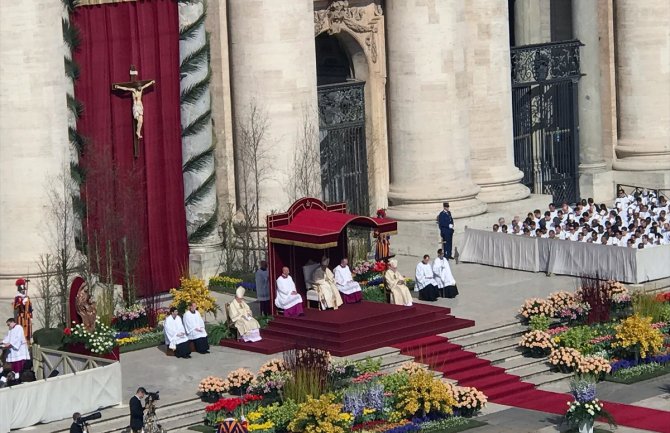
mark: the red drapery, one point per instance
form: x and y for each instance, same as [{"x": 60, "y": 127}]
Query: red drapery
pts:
[{"x": 139, "y": 199}]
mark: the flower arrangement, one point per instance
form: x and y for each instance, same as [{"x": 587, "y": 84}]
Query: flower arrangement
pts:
[
  {"x": 129, "y": 318},
  {"x": 469, "y": 400},
  {"x": 617, "y": 292},
  {"x": 411, "y": 368},
  {"x": 313, "y": 357},
  {"x": 535, "y": 306},
  {"x": 425, "y": 394},
  {"x": 269, "y": 385},
  {"x": 366, "y": 377},
  {"x": 365, "y": 402},
  {"x": 225, "y": 281},
  {"x": 210, "y": 387},
  {"x": 101, "y": 341},
  {"x": 230, "y": 407},
  {"x": 280, "y": 414},
  {"x": 360, "y": 269},
  {"x": 574, "y": 312},
  {"x": 557, "y": 330},
  {"x": 321, "y": 415},
  {"x": 596, "y": 366},
  {"x": 565, "y": 358},
  {"x": 238, "y": 381},
  {"x": 124, "y": 341},
  {"x": 585, "y": 408},
  {"x": 561, "y": 300},
  {"x": 538, "y": 343},
  {"x": 381, "y": 213},
  {"x": 274, "y": 365},
  {"x": 193, "y": 290},
  {"x": 636, "y": 335}
]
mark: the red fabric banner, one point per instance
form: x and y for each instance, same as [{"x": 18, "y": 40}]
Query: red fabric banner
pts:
[{"x": 138, "y": 199}]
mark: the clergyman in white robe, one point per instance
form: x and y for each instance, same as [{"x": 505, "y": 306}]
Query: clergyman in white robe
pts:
[
  {"x": 350, "y": 289},
  {"x": 446, "y": 283},
  {"x": 195, "y": 329},
  {"x": 425, "y": 283},
  {"x": 240, "y": 314},
  {"x": 15, "y": 342},
  {"x": 287, "y": 297},
  {"x": 175, "y": 335}
]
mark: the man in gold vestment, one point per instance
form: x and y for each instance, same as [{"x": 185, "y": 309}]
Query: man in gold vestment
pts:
[{"x": 324, "y": 284}]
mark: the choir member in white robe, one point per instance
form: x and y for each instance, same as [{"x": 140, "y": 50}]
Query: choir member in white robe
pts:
[
  {"x": 323, "y": 281},
  {"x": 175, "y": 335},
  {"x": 15, "y": 342},
  {"x": 287, "y": 297},
  {"x": 395, "y": 283},
  {"x": 195, "y": 329},
  {"x": 263, "y": 288},
  {"x": 349, "y": 289},
  {"x": 425, "y": 283},
  {"x": 445, "y": 280},
  {"x": 240, "y": 314}
]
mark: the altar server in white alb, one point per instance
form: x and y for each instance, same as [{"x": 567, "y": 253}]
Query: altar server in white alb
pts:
[
  {"x": 15, "y": 342},
  {"x": 288, "y": 298},
  {"x": 348, "y": 288},
  {"x": 195, "y": 329},
  {"x": 425, "y": 283},
  {"x": 446, "y": 284},
  {"x": 175, "y": 335},
  {"x": 240, "y": 314}
]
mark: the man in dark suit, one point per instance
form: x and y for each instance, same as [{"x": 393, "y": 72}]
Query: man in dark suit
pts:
[
  {"x": 446, "y": 223},
  {"x": 137, "y": 410}
]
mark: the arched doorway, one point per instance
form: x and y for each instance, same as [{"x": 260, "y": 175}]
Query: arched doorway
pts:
[{"x": 342, "y": 132}]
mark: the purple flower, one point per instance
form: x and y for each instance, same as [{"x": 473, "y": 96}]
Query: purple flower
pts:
[{"x": 353, "y": 402}]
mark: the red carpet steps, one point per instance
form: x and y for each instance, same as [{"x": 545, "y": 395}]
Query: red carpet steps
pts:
[
  {"x": 508, "y": 389},
  {"x": 353, "y": 328}
]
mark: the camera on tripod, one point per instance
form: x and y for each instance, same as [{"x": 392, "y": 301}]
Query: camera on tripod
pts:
[
  {"x": 82, "y": 420},
  {"x": 153, "y": 396}
]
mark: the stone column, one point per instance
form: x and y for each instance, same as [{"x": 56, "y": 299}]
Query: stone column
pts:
[
  {"x": 643, "y": 78},
  {"x": 34, "y": 146},
  {"x": 273, "y": 62},
  {"x": 491, "y": 130},
  {"x": 595, "y": 180},
  {"x": 428, "y": 88},
  {"x": 532, "y": 22}
]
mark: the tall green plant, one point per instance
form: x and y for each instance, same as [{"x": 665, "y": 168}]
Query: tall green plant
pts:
[
  {"x": 646, "y": 305},
  {"x": 308, "y": 377}
]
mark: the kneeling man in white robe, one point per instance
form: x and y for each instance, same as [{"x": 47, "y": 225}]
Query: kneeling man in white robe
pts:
[
  {"x": 15, "y": 342},
  {"x": 350, "y": 289},
  {"x": 240, "y": 315},
  {"x": 324, "y": 284},
  {"x": 288, "y": 298},
  {"x": 195, "y": 329},
  {"x": 175, "y": 334}
]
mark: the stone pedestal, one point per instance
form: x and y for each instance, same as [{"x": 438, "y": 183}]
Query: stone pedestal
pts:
[
  {"x": 643, "y": 79},
  {"x": 205, "y": 260},
  {"x": 34, "y": 146},
  {"x": 491, "y": 130},
  {"x": 532, "y": 22},
  {"x": 595, "y": 178},
  {"x": 273, "y": 70},
  {"x": 428, "y": 87}
]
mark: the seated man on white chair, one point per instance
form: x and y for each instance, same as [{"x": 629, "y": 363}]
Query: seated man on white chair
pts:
[
  {"x": 240, "y": 314},
  {"x": 324, "y": 284},
  {"x": 349, "y": 289}
]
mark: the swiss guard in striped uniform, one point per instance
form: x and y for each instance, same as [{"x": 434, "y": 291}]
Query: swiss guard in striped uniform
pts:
[
  {"x": 23, "y": 309},
  {"x": 232, "y": 426}
]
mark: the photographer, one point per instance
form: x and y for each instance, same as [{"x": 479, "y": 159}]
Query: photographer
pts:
[
  {"x": 76, "y": 426},
  {"x": 137, "y": 410}
]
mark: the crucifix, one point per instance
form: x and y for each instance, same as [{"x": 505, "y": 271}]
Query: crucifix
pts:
[{"x": 136, "y": 88}]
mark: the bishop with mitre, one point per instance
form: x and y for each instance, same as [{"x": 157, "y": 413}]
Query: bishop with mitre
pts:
[{"x": 240, "y": 314}]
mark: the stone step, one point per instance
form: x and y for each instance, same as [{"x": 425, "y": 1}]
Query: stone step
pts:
[
  {"x": 495, "y": 346},
  {"x": 513, "y": 365},
  {"x": 532, "y": 370},
  {"x": 511, "y": 330},
  {"x": 500, "y": 356},
  {"x": 372, "y": 354},
  {"x": 549, "y": 377}
]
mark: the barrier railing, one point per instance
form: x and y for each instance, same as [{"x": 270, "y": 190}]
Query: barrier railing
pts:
[
  {"x": 47, "y": 361},
  {"x": 632, "y": 189}
]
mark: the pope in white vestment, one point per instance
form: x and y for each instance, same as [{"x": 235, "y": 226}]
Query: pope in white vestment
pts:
[
  {"x": 395, "y": 283},
  {"x": 443, "y": 276},
  {"x": 175, "y": 335},
  {"x": 15, "y": 341},
  {"x": 287, "y": 297},
  {"x": 350, "y": 289},
  {"x": 195, "y": 329},
  {"x": 323, "y": 281},
  {"x": 240, "y": 314}
]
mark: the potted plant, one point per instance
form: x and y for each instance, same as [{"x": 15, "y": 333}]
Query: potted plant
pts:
[
  {"x": 586, "y": 408},
  {"x": 210, "y": 389}
]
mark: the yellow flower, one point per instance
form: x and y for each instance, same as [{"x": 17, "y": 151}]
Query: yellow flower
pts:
[
  {"x": 636, "y": 334},
  {"x": 193, "y": 290},
  {"x": 368, "y": 411},
  {"x": 425, "y": 394},
  {"x": 254, "y": 416}
]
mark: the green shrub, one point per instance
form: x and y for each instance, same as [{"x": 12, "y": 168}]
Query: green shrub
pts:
[
  {"x": 646, "y": 305},
  {"x": 281, "y": 414},
  {"x": 394, "y": 382},
  {"x": 218, "y": 332},
  {"x": 579, "y": 338},
  {"x": 374, "y": 294},
  {"x": 368, "y": 365},
  {"x": 665, "y": 312},
  {"x": 539, "y": 323}
]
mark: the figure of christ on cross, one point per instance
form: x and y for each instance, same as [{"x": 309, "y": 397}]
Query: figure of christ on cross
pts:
[{"x": 136, "y": 88}]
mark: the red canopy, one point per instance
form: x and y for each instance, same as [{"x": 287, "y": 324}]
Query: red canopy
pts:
[{"x": 320, "y": 229}]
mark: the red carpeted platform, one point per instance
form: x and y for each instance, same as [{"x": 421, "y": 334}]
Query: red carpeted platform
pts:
[
  {"x": 353, "y": 328},
  {"x": 509, "y": 390}
]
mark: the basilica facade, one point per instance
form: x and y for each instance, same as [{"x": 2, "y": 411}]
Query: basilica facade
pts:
[{"x": 398, "y": 104}]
